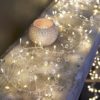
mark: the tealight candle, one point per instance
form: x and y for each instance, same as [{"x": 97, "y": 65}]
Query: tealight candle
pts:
[{"x": 43, "y": 32}]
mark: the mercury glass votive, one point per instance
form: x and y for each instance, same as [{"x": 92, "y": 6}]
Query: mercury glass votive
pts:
[{"x": 43, "y": 32}]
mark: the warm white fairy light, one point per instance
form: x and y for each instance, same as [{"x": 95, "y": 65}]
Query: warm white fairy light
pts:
[
  {"x": 25, "y": 86},
  {"x": 27, "y": 42},
  {"x": 32, "y": 57},
  {"x": 98, "y": 1},
  {"x": 58, "y": 76},
  {"x": 21, "y": 50},
  {"x": 35, "y": 77},
  {"x": 2, "y": 70},
  {"x": 7, "y": 87},
  {"x": 20, "y": 41},
  {"x": 95, "y": 12},
  {"x": 56, "y": 0},
  {"x": 55, "y": 47},
  {"x": 46, "y": 63},
  {"x": 94, "y": 75}
]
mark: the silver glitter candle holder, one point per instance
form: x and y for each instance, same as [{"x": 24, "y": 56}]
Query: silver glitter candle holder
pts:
[{"x": 43, "y": 32}]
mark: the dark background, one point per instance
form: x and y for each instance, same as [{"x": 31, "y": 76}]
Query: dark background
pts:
[{"x": 15, "y": 17}]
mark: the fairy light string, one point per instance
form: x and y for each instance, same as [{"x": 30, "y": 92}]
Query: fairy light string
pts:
[
  {"x": 95, "y": 77},
  {"x": 42, "y": 71}
]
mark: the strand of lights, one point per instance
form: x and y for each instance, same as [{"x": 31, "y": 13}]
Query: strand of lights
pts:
[
  {"x": 49, "y": 78},
  {"x": 94, "y": 75}
]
